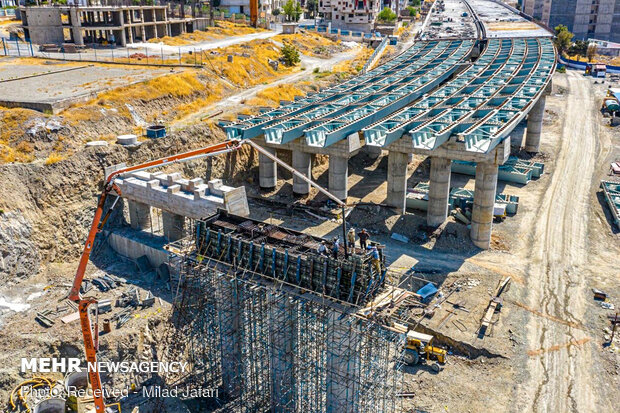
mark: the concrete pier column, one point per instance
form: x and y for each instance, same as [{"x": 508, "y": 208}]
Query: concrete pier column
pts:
[
  {"x": 121, "y": 20},
  {"x": 438, "y": 191},
  {"x": 139, "y": 215},
  {"x": 484, "y": 199},
  {"x": 76, "y": 26},
  {"x": 302, "y": 162},
  {"x": 173, "y": 225},
  {"x": 372, "y": 151},
  {"x": 534, "y": 125},
  {"x": 338, "y": 174},
  {"x": 267, "y": 170},
  {"x": 397, "y": 180}
]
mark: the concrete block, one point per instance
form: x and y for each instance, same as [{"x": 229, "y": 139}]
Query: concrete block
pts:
[
  {"x": 215, "y": 187},
  {"x": 152, "y": 184},
  {"x": 193, "y": 184},
  {"x": 172, "y": 178},
  {"x": 198, "y": 193},
  {"x": 173, "y": 189}
]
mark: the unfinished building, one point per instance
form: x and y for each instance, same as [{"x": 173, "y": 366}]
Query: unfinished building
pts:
[
  {"x": 264, "y": 317},
  {"x": 112, "y": 24}
]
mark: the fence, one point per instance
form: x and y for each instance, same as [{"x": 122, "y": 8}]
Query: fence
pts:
[
  {"x": 342, "y": 34},
  {"x": 151, "y": 56}
]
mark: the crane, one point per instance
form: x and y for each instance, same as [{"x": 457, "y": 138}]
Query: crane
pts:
[{"x": 90, "y": 331}]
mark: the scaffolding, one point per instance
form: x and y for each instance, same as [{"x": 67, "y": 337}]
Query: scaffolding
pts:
[{"x": 270, "y": 344}]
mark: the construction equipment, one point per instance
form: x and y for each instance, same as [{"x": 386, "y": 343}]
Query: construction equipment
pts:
[
  {"x": 90, "y": 331},
  {"x": 419, "y": 348}
]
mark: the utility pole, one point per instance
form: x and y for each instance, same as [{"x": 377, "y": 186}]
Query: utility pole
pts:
[{"x": 615, "y": 320}]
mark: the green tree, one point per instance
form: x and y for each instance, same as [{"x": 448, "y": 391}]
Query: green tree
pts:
[
  {"x": 289, "y": 10},
  {"x": 386, "y": 15},
  {"x": 412, "y": 11},
  {"x": 290, "y": 54},
  {"x": 298, "y": 11},
  {"x": 562, "y": 39},
  {"x": 275, "y": 12},
  {"x": 311, "y": 6},
  {"x": 415, "y": 3},
  {"x": 580, "y": 47}
]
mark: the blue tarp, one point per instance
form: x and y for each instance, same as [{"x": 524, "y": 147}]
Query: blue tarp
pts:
[{"x": 426, "y": 291}]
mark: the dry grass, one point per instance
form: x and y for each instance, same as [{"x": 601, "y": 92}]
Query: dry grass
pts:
[
  {"x": 310, "y": 44},
  {"x": 273, "y": 95},
  {"x": 177, "y": 85},
  {"x": 54, "y": 158},
  {"x": 353, "y": 66},
  {"x": 222, "y": 30}
]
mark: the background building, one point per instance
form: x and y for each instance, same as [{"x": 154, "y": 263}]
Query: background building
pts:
[
  {"x": 598, "y": 19},
  {"x": 350, "y": 14}
]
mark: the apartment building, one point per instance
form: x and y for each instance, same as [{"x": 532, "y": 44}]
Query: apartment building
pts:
[
  {"x": 598, "y": 19},
  {"x": 350, "y": 14}
]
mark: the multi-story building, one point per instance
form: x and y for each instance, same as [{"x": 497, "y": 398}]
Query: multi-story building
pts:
[
  {"x": 598, "y": 19},
  {"x": 96, "y": 24},
  {"x": 350, "y": 14}
]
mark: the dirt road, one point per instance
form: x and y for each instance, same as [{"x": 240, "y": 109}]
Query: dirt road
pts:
[{"x": 559, "y": 354}]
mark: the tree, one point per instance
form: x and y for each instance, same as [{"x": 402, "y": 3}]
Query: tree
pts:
[
  {"x": 290, "y": 55},
  {"x": 415, "y": 3},
  {"x": 275, "y": 12},
  {"x": 289, "y": 10},
  {"x": 591, "y": 51},
  {"x": 386, "y": 15},
  {"x": 412, "y": 11},
  {"x": 298, "y": 11},
  {"x": 580, "y": 47},
  {"x": 311, "y": 7},
  {"x": 562, "y": 39}
]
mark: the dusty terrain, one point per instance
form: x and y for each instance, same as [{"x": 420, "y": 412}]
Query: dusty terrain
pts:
[{"x": 545, "y": 350}]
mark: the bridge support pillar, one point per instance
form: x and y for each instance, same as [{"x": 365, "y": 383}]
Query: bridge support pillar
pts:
[
  {"x": 173, "y": 225},
  {"x": 534, "y": 125},
  {"x": 438, "y": 191},
  {"x": 139, "y": 215},
  {"x": 484, "y": 200},
  {"x": 397, "y": 180},
  {"x": 338, "y": 173},
  {"x": 267, "y": 170},
  {"x": 302, "y": 162}
]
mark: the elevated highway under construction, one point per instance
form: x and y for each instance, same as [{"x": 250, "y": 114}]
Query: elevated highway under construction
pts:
[
  {"x": 260, "y": 313},
  {"x": 447, "y": 97}
]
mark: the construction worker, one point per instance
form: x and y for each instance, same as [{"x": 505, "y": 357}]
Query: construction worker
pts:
[
  {"x": 336, "y": 247},
  {"x": 364, "y": 237},
  {"x": 351, "y": 240},
  {"x": 374, "y": 258},
  {"x": 322, "y": 249}
]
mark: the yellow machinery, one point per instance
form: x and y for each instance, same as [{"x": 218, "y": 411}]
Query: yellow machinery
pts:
[{"x": 419, "y": 347}]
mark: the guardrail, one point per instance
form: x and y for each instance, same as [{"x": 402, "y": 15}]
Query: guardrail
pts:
[
  {"x": 575, "y": 64},
  {"x": 342, "y": 33}
]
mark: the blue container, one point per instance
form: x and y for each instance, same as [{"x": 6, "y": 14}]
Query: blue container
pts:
[{"x": 155, "y": 131}]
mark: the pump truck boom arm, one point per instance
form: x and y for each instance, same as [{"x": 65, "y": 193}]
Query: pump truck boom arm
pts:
[{"x": 89, "y": 332}]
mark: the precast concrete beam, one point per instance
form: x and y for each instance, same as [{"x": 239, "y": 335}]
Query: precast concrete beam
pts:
[
  {"x": 338, "y": 174},
  {"x": 302, "y": 162},
  {"x": 397, "y": 180},
  {"x": 174, "y": 226},
  {"x": 438, "y": 191},
  {"x": 534, "y": 125},
  {"x": 139, "y": 215},
  {"x": 267, "y": 170},
  {"x": 484, "y": 201}
]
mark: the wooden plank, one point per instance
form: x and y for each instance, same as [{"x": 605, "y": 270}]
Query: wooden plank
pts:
[{"x": 70, "y": 318}]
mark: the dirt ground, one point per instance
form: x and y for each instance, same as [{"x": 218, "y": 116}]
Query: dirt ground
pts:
[{"x": 544, "y": 351}]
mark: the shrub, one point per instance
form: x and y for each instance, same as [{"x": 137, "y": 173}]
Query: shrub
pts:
[
  {"x": 53, "y": 158},
  {"x": 290, "y": 55},
  {"x": 386, "y": 15}
]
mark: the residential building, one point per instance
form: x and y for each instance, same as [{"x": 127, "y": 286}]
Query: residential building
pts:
[
  {"x": 350, "y": 14},
  {"x": 584, "y": 18}
]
